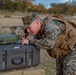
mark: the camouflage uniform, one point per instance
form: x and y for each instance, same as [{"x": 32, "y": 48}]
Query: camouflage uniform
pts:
[{"x": 65, "y": 65}]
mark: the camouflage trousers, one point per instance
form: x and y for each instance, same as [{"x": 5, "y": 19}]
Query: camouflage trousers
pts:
[{"x": 66, "y": 65}]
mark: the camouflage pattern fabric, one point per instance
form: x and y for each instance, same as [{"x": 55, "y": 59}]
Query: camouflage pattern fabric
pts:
[
  {"x": 47, "y": 40},
  {"x": 67, "y": 64},
  {"x": 28, "y": 19}
]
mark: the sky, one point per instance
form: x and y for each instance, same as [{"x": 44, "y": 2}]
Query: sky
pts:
[{"x": 48, "y": 2}]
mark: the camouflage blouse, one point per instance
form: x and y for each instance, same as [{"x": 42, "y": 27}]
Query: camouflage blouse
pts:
[{"x": 51, "y": 31}]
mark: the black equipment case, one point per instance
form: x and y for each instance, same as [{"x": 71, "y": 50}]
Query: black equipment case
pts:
[{"x": 15, "y": 56}]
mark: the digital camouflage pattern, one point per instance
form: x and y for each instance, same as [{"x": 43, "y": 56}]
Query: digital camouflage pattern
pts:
[
  {"x": 65, "y": 65},
  {"x": 48, "y": 37},
  {"x": 28, "y": 19},
  {"x": 65, "y": 41}
]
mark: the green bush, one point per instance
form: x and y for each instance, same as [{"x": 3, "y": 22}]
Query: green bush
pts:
[{"x": 8, "y": 16}]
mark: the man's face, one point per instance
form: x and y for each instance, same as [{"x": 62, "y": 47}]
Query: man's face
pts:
[{"x": 34, "y": 27}]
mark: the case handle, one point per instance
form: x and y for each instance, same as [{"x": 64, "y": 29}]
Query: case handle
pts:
[{"x": 17, "y": 60}]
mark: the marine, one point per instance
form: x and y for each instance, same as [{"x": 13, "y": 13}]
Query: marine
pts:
[{"x": 58, "y": 36}]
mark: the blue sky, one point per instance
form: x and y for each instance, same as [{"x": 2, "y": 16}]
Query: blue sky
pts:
[{"x": 48, "y": 2}]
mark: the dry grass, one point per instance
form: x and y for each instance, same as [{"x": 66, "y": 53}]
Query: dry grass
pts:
[
  {"x": 14, "y": 20},
  {"x": 17, "y": 21},
  {"x": 11, "y": 22},
  {"x": 72, "y": 19},
  {"x": 47, "y": 63}
]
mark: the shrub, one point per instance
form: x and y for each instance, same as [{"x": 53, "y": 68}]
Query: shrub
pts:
[{"x": 8, "y": 16}]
